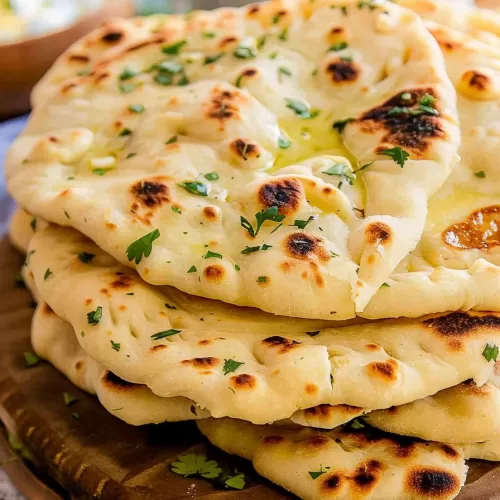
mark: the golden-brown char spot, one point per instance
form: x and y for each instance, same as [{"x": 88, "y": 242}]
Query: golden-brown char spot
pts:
[
  {"x": 150, "y": 193},
  {"x": 159, "y": 347},
  {"x": 65, "y": 193},
  {"x": 287, "y": 266},
  {"x": 328, "y": 190},
  {"x": 304, "y": 275},
  {"x": 273, "y": 440},
  {"x": 100, "y": 76},
  {"x": 245, "y": 149},
  {"x": 373, "y": 347},
  {"x": 214, "y": 272},
  {"x": 223, "y": 105},
  {"x": 225, "y": 42},
  {"x": 393, "y": 410},
  {"x": 325, "y": 410},
  {"x": 282, "y": 344},
  {"x": 118, "y": 384},
  {"x": 110, "y": 225},
  {"x": 449, "y": 451},
  {"x": 152, "y": 41},
  {"x": 482, "y": 391},
  {"x": 304, "y": 246},
  {"x": 331, "y": 483},
  {"x": 378, "y": 233},
  {"x": 384, "y": 370},
  {"x": 318, "y": 277},
  {"x": 47, "y": 309},
  {"x": 104, "y": 291},
  {"x": 204, "y": 342},
  {"x": 411, "y": 131},
  {"x": 253, "y": 9},
  {"x": 123, "y": 307},
  {"x": 248, "y": 73},
  {"x": 79, "y": 58},
  {"x": 315, "y": 443},
  {"x": 122, "y": 282},
  {"x": 202, "y": 363},
  {"x": 371, "y": 259},
  {"x": 286, "y": 194},
  {"x": 244, "y": 381},
  {"x": 480, "y": 230},
  {"x": 311, "y": 389},
  {"x": 211, "y": 213},
  {"x": 366, "y": 475},
  {"x": 264, "y": 281},
  {"x": 87, "y": 302},
  {"x": 79, "y": 365},
  {"x": 476, "y": 79},
  {"x": 431, "y": 482},
  {"x": 343, "y": 72},
  {"x": 53, "y": 139},
  {"x": 112, "y": 36},
  {"x": 67, "y": 87}
]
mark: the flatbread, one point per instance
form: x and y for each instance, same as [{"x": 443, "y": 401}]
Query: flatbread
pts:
[
  {"x": 180, "y": 345},
  {"x": 116, "y": 173},
  {"x": 458, "y": 414},
  {"x": 343, "y": 463}
]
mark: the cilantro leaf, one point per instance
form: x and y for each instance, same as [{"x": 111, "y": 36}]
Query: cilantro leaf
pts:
[
  {"x": 126, "y": 88},
  {"x": 338, "y": 46},
  {"x": 115, "y": 345},
  {"x": 244, "y": 52},
  {"x": 357, "y": 424},
  {"x": 172, "y": 140},
  {"x": 86, "y": 257},
  {"x": 211, "y": 176},
  {"x": 93, "y": 317},
  {"x": 212, "y": 255},
  {"x": 262, "y": 279},
  {"x": 209, "y": 34},
  {"x": 342, "y": 171},
  {"x": 283, "y": 141},
  {"x": 69, "y": 399},
  {"x": 397, "y": 154},
  {"x": 31, "y": 359},
  {"x": 142, "y": 247},
  {"x": 481, "y": 174},
  {"x": 490, "y": 352},
  {"x": 301, "y": 224},
  {"x": 166, "y": 333},
  {"x": 190, "y": 464},
  {"x": 195, "y": 187},
  {"x": 320, "y": 472},
  {"x": 385, "y": 285},
  {"x": 127, "y": 74},
  {"x": 136, "y": 108},
  {"x": 301, "y": 108},
  {"x": 192, "y": 269},
  {"x": 283, "y": 71},
  {"x": 213, "y": 59},
  {"x": 48, "y": 273},
  {"x": 174, "y": 49},
  {"x": 230, "y": 365},
  {"x": 236, "y": 482},
  {"x": 177, "y": 210},
  {"x": 270, "y": 214}
]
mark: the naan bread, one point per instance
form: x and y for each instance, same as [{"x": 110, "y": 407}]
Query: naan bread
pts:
[
  {"x": 456, "y": 415},
  {"x": 176, "y": 127},
  {"x": 181, "y": 345},
  {"x": 489, "y": 450},
  {"x": 343, "y": 463}
]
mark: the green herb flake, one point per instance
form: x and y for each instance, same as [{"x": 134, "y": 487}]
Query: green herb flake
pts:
[
  {"x": 93, "y": 317},
  {"x": 31, "y": 359},
  {"x": 213, "y": 59},
  {"x": 301, "y": 224},
  {"x": 248, "y": 250},
  {"x": 82, "y": 333},
  {"x": 283, "y": 71},
  {"x": 262, "y": 279},
  {"x": 301, "y": 108},
  {"x": 192, "y": 269},
  {"x": 343, "y": 171},
  {"x": 136, "y": 108},
  {"x": 490, "y": 352},
  {"x": 269, "y": 214},
  {"x": 315, "y": 474},
  {"x": 100, "y": 171},
  {"x": 126, "y": 88},
  {"x": 164, "y": 79},
  {"x": 174, "y": 49},
  {"x": 406, "y": 96},
  {"x": 480, "y": 173},
  {"x": 172, "y": 140},
  {"x": 86, "y": 257},
  {"x": 236, "y": 267},
  {"x": 191, "y": 464},
  {"x": 283, "y": 35},
  {"x": 313, "y": 333},
  {"x": 283, "y": 141},
  {"x": 340, "y": 125},
  {"x": 261, "y": 41},
  {"x": 177, "y": 210},
  {"x": 166, "y": 333},
  {"x": 427, "y": 100},
  {"x": 212, "y": 176},
  {"x": 338, "y": 46},
  {"x": 397, "y": 154},
  {"x": 66, "y": 214},
  {"x": 171, "y": 67},
  {"x": 385, "y": 285},
  {"x": 236, "y": 482},
  {"x": 230, "y": 365},
  {"x": 83, "y": 72},
  {"x": 130, "y": 155},
  {"x": 357, "y": 424},
  {"x": 244, "y": 52},
  {"x": 142, "y": 247},
  {"x": 276, "y": 19},
  {"x": 125, "y": 132},
  {"x": 194, "y": 187},
  {"x": 212, "y": 255},
  {"x": 273, "y": 55},
  {"x": 48, "y": 273},
  {"x": 208, "y": 34},
  {"x": 69, "y": 399},
  {"x": 127, "y": 74},
  {"x": 115, "y": 345}
]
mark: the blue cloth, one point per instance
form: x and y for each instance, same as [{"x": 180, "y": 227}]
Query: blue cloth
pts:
[{"x": 9, "y": 130}]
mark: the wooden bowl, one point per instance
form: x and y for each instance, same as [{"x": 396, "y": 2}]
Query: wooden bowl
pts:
[{"x": 25, "y": 62}]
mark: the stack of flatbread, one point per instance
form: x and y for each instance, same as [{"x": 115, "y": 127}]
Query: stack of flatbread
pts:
[{"x": 281, "y": 221}]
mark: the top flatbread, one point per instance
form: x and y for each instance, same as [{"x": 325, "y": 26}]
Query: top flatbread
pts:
[{"x": 183, "y": 125}]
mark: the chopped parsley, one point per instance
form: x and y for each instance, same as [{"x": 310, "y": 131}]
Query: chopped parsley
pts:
[
  {"x": 136, "y": 108},
  {"x": 244, "y": 52},
  {"x": 333, "y": 254},
  {"x": 343, "y": 171},
  {"x": 192, "y": 269},
  {"x": 86, "y": 257},
  {"x": 338, "y": 46},
  {"x": 397, "y": 154},
  {"x": 237, "y": 83},
  {"x": 126, "y": 88},
  {"x": 209, "y": 34},
  {"x": 490, "y": 352},
  {"x": 248, "y": 249},
  {"x": 212, "y": 255},
  {"x": 273, "y": 55},
  {"x": 236, "y": 267},
  {"x": 261, "y": 41},
  {"x": 213, "y": 59},
  {"x": 317, "y": 473},
  {"x": 130, "y": 155},
  {"x": 177, "y": 210},
  {"x": 192, "y": 464},
  {"x": 164, "y": 79},
  {"x": 270, "y": 214},
  {"x": 100, "y": 171},
  {"x": 174, "y": 49},
  {"x": 124, "y": 132},
  {"x": 194, "y": 187},
  {"x": 83, "y": 72},
  {"x": 31, "y": 359},
  {"x": 230, "y": 365},
  {"x": 172, "y": 140},
  {"x": 357, "y": 424},
  {"x": 283, "y": 35},
  {"x": 166, "y": 333},
  {"x": 262, "y": 279},
  {"x": 340, "y": 125},
  {"x": 142, "y": 247},
  {"x": 212, "y": 176},
  {"x": 301, "y": 108},
  {"x": 481, "y": 174},
  {"x": 115, "y": 345},
  {"x": 69, "y": 399},
  {"x": 48, "y": 273},
  {"x": 301, "y": 224},
  {"x": 283, "y": 141},
  {"x": 313, "y": 334},
  {"x": 127, "y": 74},
  {"x": 93, "y": 317},
  {"x": 427, "y": 100},
  {"x": 283, "y": 71},
  {"x": 170, "y": 67},
  {"x": 385, "y": 285}
]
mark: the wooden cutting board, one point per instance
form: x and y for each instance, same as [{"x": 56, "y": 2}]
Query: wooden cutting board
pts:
[{"x": 97, "y": 455}]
